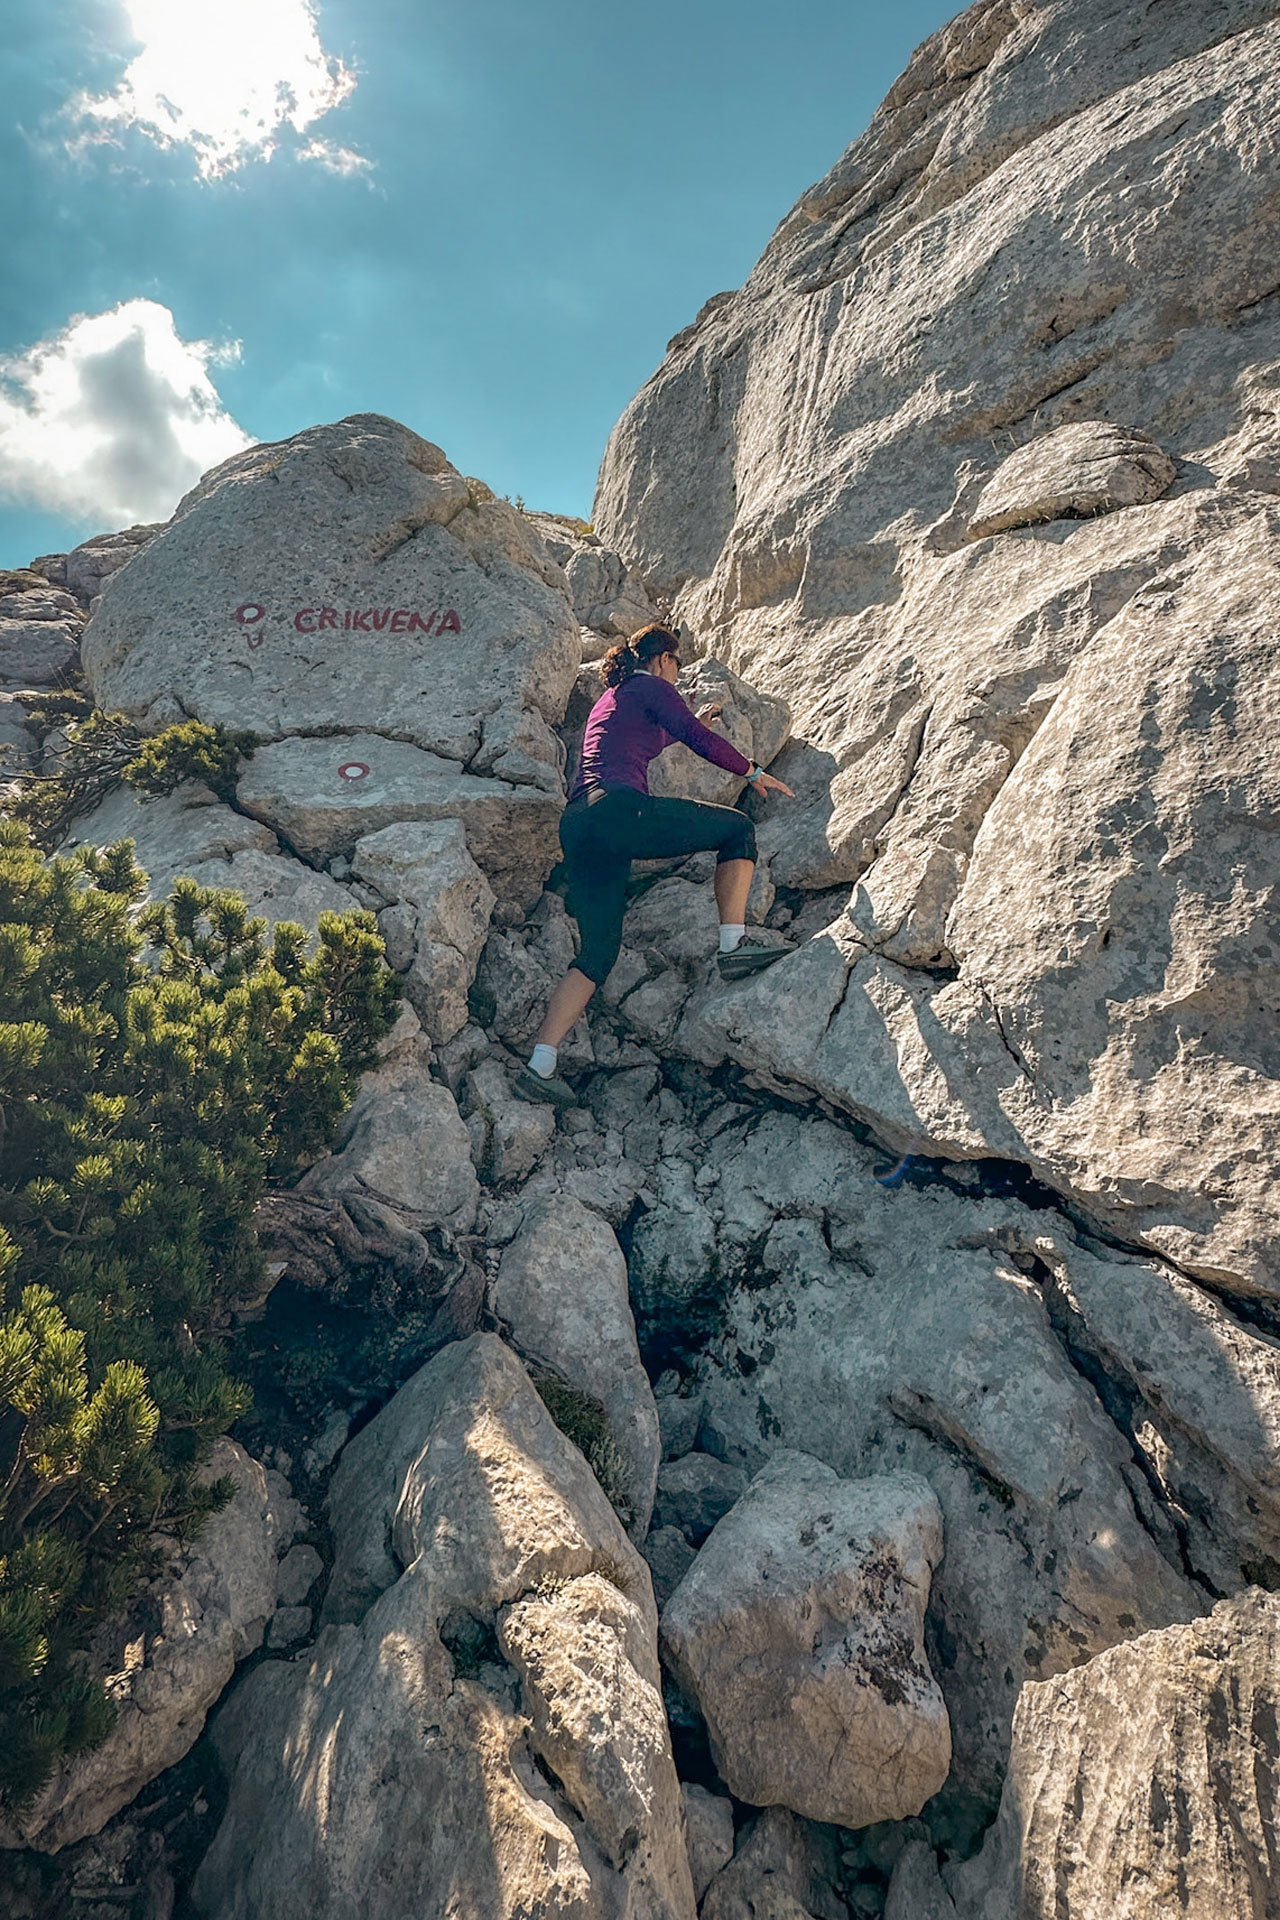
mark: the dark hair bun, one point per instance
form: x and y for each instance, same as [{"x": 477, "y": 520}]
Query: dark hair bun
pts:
[
  {"x": 622, "y": 661},
  {"x": 618, "y": 664}
]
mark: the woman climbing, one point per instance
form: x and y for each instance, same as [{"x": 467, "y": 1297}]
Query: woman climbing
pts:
[{"x": 612, "y": 819}]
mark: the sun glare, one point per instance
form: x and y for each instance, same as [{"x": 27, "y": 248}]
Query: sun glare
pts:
[{"x": 224, "y": 77}]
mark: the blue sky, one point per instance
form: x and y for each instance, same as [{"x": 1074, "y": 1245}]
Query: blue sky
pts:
[{"x": 485, "y": 220}]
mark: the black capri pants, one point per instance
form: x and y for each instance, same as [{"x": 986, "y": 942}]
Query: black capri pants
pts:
[{"x": 602, "y": 833}]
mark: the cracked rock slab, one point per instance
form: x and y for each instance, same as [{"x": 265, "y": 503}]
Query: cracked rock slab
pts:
[
  {"x": 799, "y": 1632},
  {"x": 323, "y": 795},
  {"x": 1078, "y": 470},
  {"x": 1145, "y": 1783}
]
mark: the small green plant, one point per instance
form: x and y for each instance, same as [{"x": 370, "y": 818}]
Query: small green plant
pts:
[
  {"x": 159, "y": 1065},
  {"x": 190, "y": 751},
  {"x": 582, "y": 1419},
  {"x": 105, "y": 749}
]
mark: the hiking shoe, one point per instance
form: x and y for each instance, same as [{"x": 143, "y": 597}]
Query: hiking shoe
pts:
[
  {"x": 532, "y": 1086},
  {"x": 751, "y": 954}
]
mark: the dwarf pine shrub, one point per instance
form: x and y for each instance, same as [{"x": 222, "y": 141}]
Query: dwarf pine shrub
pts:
[
  {"x": 159, "y": 1066},
  {"x": 104, "y": 750}
]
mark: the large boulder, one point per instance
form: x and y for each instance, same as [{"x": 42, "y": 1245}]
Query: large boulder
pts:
[
  {"x": 561, "y": 1290},
  {"x": 977, "y": 471},
  {"x": 403, "y": 1145},
  {"x": 169, "y": 1658},
  {"x": 1143, "y": 1784},
  {"x": 349, "y": 579},
  {"x": 348, "y": 590},
  {"x": 799, "y": 1633},
  {"x": 483, "y": 1732}
]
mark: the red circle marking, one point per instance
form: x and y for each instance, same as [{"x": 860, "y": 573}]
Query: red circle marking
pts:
[
  {"x": 250, "y": 613},
  {"x": 352, "y": 770},
  {"x": 254, "y": 640}
]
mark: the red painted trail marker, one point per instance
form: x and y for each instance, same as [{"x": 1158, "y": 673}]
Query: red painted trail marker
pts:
[
  {"x": 353, "y": 770},
  {"x": 249, "y": 614}
]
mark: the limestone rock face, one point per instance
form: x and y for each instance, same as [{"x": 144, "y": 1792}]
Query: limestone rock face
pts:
[
  {"x": 40, "y": 627},
  {"x": 324, "y": 795},
  {"x": 1099, "y": 1432},
  {"x": 198, "y": 1622},
  {"x": 561, "y": 1289},
  {"x": 347, "y": 579},
  {"x": 799, "y": 1632},
  {"x": 1087, "y": 468},
  {"x": 403, "y": 1144},
  {"x": 1029, "y": 745},
  {"x": 423, "y": 868},
  {"x": 500, "y": 1633},
  {"x": 1144, "y": 1783}
]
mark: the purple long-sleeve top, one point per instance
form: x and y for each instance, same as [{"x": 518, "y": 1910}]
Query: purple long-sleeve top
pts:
[{"x": 629, "y": 726}]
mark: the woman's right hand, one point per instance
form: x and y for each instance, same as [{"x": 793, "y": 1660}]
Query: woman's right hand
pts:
[{"x": 765, "y": 783}]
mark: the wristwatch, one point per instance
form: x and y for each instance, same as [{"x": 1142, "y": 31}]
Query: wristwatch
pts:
[{"x": 756, "y": 773}]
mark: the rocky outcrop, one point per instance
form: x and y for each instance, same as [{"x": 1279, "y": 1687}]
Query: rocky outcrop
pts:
[
  {"x": 352, "y": 542},
  {"x": 40, "y": 628},
  {"x": 939, "y": 1329},
  {"x": 973, "y": 473},
  {"x": 167, "y": 1661},
  {"x": 609, "y": 600},
  {"x": 1144, "y": 1783},
  {"x": 437, "y": 914},
  {"x": 799, "y": 1633},
  {"x": 485, "y": 1726},
  {"x": 561, "y": 1292}
]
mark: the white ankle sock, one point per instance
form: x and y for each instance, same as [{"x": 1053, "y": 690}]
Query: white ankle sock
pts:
[
  {"x": 542, "y": 1061},
  {"x": 729, "y": 937}
]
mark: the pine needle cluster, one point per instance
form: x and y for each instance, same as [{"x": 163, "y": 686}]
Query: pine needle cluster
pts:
[
  {"x": 100, "y": 751},
  {"x": 160, "y": 1065}
]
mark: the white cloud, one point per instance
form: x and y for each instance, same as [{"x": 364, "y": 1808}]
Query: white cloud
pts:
[
  {"x": 222, "y": 77},
  {"x": 113, "y": 418},
  {"x": 334, "y": 159}
]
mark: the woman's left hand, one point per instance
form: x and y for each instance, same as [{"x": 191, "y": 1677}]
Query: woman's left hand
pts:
[{"x": 711, "y": 712}]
